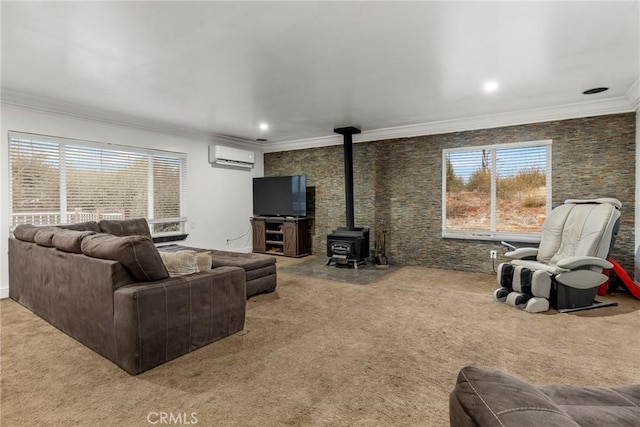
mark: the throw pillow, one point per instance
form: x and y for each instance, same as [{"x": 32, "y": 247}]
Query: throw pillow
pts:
[
  {"x": 125, "y": 227},
  {"x": 26, "y": 232},
  {"x": 180, "y": 263},
  {"x": 44, "y": 236},
  {"x": 138, "y": 254},
  {"x": 204, "y": 261},
  {"x": 70, "y": 240}
]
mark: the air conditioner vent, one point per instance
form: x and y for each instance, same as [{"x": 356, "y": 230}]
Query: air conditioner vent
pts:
[{"x": 227, "y": 156}]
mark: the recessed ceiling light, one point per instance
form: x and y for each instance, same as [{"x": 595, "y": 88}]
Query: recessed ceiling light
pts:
[
  {"x": 595, "y": 90},
  {"x": 263, "y": 126},
  {"x": 490, "y": 86}
]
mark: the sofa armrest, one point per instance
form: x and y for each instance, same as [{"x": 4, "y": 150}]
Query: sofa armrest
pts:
[
  {"x": 158, "y": 321},
  {"x": 522, "y": 253},
  {"x": 493, "y": 398}
]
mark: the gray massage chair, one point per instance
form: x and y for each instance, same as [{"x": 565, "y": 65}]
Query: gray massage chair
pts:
[{"x": 565, "y": 271}]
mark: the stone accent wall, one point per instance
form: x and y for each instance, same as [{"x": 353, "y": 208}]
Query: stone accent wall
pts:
[{"x": 400, "y": 181}]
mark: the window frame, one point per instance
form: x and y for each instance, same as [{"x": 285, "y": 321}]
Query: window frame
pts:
[
  {"x": 492, "y": 234},
  {"x": 62, "y": 142}
]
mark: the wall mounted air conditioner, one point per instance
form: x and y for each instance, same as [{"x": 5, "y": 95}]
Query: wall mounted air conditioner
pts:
[{"x": 227, "y": 156}]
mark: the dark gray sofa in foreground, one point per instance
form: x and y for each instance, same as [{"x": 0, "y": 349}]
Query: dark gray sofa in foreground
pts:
[
  {"x": 114, "y": 295},
  {"x": 487, "y": 398}
]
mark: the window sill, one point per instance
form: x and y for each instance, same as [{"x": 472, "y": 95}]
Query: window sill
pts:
[
  {"x": 493, "y": 237},
  {"x": 169, "y": 238}
]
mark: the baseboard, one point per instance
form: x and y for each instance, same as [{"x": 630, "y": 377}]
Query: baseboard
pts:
[
  {"x": 245, "y": 250},
  {"x": 4, "y": 293}
]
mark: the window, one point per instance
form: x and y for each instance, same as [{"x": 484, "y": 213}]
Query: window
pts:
[
  {"x": 63, "y": 181},
  {"x": 496, "y": 192}
]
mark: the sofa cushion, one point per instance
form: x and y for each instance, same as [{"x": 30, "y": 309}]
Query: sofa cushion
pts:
[
  {"x": 82, "y": 226},
  {"x": 485, "y": 398},
  {"x": 494, "y": 398},
  {"x": 180, "y": 263},
  {"x": 248, "y": 261},
  {"x": 26, "y": 232},
  {"x": 597, "y": 406},
  {"x": 137, "y": 253},
  {"x": 44, "y": 236},
  {"x": 70, "y": 240},
  {"x": 125, "y": 227}
]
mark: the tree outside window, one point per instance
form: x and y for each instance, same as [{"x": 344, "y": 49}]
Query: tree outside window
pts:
[
  {"x": 61, "y": 181},
  {"x": 498, "y": 191}
]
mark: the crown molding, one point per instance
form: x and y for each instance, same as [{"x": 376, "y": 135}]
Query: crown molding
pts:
[
  {"x": 630, "y": 102},
  {"x": 301, "y": 144},
  {"x": 52, "y": 106},
  {"x": 47, "y": 105},
  {"x": 562, "y": 112},
  {"x": 633, "y": 95},
  {"x": 234, "y": 142}
]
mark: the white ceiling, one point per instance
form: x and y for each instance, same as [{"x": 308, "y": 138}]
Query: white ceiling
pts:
[{"x": 221, "y": 68}]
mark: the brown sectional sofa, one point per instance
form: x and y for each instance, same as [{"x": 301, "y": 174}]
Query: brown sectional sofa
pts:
[
  {"x": 486, "y": 398},
  {"x": 114, "y": 294}
]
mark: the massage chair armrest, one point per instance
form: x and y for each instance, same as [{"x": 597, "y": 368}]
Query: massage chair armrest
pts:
[
  {"x": 576, "y": 262},
  {"x": 522, "y": 253}
]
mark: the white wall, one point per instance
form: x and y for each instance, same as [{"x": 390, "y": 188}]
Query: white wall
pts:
[
  {"x": 637, "y": 218},
  {"x": 219, "y": 200}
]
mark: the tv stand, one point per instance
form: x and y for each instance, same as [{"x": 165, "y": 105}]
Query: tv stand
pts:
[{"x": 287, "y": 236}]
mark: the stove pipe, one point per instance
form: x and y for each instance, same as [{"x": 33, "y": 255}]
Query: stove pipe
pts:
[{"x": 346, "y": 132}]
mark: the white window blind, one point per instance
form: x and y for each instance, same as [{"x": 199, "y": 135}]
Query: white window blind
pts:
[
  {"x": 35, "y": 181},
  {"x": 500, "y": 191},
  {"x": 169, "y": 194},
  {"x": 57, "y": 181},
  {"x": 111, "y": 183}
]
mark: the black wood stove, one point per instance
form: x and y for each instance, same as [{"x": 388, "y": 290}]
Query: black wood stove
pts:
[{"x": 348, "y": 245}]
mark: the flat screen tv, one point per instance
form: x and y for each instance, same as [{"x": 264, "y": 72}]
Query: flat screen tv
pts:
[{"x": 280, "y": 196}]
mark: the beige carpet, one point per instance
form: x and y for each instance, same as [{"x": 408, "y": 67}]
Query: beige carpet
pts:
[{"x": 321, "y": 353}]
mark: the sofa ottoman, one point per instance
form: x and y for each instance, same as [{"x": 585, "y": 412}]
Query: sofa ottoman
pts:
[
  {"x": 260, "y": 270},
  {"x": 485, "y": 397}
]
